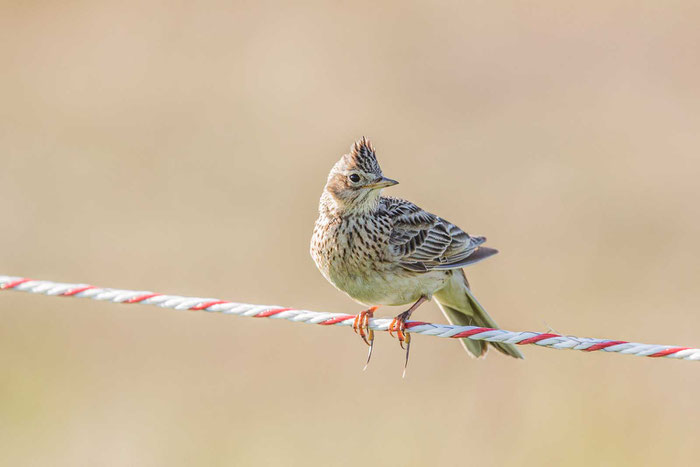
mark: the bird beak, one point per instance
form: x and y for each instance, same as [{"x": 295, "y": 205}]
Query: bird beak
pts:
[{"x": 382, "y": 183}]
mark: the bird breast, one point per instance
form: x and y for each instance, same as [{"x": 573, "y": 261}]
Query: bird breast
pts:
[{"x": 353, "y": 254}]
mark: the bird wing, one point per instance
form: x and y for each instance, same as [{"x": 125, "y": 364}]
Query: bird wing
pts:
[{"x": 421, "y": 241}]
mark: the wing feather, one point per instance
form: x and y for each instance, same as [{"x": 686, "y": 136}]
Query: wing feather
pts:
[{"x": 421, "y": 241}]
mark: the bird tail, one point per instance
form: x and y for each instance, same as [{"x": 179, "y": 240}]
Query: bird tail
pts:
[{"x": 461, "y": 308}]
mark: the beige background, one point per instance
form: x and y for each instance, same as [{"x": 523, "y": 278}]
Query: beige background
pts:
[{"x": 182, "y": 148}]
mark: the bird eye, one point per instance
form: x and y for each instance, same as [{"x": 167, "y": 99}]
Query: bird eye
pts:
[{"x": 354, "y": 178}]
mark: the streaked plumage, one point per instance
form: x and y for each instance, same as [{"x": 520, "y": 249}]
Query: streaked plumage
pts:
[{"x": 388, "y": 251}]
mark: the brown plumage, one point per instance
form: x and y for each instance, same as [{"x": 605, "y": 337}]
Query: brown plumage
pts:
[{"x": 388, "y": 251}]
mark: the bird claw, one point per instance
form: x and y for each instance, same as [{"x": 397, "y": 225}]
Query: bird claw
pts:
[
  {"x": 398, "y": 325},
  {"x": 361, "y": 326}
]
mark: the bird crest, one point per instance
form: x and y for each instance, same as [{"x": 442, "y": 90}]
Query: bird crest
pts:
[{"x": 362, "y": 156}]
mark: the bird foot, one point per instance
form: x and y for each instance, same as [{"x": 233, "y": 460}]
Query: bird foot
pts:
[
  {"x": 361, "y": 327},
  {"x": 398, "y": 326}
]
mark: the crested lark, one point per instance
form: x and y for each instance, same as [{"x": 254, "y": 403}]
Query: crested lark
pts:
[{"x": 388, "y": 251}]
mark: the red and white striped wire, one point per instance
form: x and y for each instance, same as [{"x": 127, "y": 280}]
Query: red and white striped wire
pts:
[{"x": 548, "y": 340}]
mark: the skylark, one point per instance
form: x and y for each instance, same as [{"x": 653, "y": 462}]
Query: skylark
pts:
[{"x": 387, "y": 251}]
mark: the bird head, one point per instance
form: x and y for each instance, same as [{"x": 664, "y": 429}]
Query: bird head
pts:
[{"x": 356, "y": 180}]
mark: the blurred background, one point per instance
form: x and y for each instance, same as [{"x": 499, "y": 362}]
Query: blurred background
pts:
[{"x": 182, "y": 148}]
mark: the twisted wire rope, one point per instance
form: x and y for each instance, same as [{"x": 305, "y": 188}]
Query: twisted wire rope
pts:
[{"x": 177, "y": 302}]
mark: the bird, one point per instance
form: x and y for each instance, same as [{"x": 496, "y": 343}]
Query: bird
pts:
[{"x": 386, "y": 251}]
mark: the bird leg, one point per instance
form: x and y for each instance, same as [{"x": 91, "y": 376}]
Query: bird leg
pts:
[
  {"x": 399, "y": 325},
  {"x": 361, "y": 327}
]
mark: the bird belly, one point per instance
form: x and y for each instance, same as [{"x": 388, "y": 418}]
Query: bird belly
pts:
[{"x": 398, "y": 287}]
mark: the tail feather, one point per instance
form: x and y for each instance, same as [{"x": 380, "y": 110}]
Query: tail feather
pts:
[
  {"x": 461, "y": 308},
  {"x": 454, "y": 316}
]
